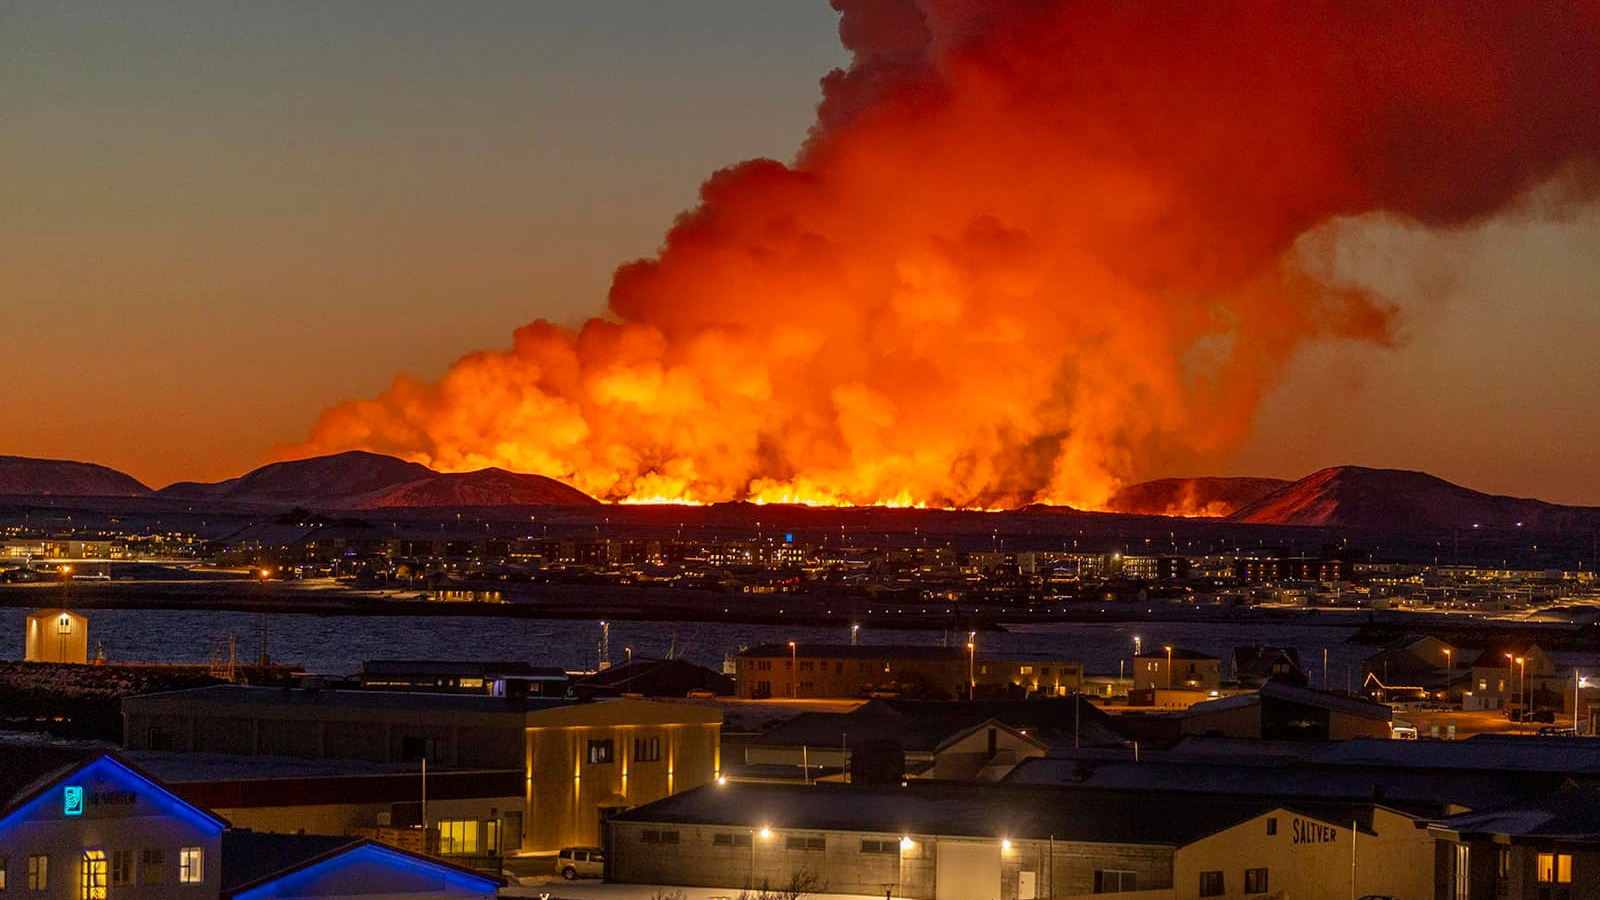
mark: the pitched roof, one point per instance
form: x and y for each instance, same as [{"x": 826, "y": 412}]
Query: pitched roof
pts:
[
  {"x": 251, "y": 859},
  {"x": 36, "y": 777},
  {"x": 1572, "y": 814},
  {"x": 1177, "y": 653}
]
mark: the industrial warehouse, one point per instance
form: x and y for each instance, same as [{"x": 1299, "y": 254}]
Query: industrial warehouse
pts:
[{"x": 949, "y": 842}]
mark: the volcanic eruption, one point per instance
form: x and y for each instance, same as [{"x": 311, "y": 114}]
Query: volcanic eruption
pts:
[{"x": 1030, "y": 250}]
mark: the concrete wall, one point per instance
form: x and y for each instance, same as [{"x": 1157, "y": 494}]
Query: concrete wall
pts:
[
  {"x": 567, "y": 793},
  {"x": 1309, "y": 859}
]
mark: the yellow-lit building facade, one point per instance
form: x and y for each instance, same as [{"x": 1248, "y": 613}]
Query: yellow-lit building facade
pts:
[{"x": 586, "y": 762}]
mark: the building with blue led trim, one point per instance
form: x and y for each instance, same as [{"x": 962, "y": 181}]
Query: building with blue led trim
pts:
[{"x": 98, "y": 827}]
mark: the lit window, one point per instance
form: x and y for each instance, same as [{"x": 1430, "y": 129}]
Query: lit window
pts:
[
  {"x": 458, "y": 837},
  {"x": 5, "y": 863},
  {"x": 92, "y": 875},
  {"x": 1555, "y": 868},
  {"x": 647, "y": 749},
  {"x": 38, "y": 873},
  {"x": 191, "y": 866},
  {"x": 601, "y": 751}
]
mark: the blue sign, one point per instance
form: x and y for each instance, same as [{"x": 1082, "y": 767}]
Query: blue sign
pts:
[
  {"x": 72, "y": 800},
  {"x": 788, "y": 538}
]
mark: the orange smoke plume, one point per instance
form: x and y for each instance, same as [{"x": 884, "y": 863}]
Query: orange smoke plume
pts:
[{"x": 1030, "y": 250}]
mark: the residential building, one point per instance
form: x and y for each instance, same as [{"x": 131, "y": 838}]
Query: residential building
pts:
[
  {"x": 1187, "y": 670},
  {"x": 847, "y": 671},
  {"x": 57, "y": 636},
  {"x": 1537, "y": 848},
  {"x": 1519, "y": 675},
  {"x": 1027, "y": 677}
]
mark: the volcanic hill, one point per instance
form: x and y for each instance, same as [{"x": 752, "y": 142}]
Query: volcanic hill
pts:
[
  {"x": 63, "y": 478},
  {"x": 1358, "y": 497}
]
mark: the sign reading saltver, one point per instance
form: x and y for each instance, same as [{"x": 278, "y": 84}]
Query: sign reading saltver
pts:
[
  {"x": 72, "y": 800},
  {"x": 1307, "y": 832}
]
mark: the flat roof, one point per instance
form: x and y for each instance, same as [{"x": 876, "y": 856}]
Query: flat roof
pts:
[{"x": 947, "y": 809}]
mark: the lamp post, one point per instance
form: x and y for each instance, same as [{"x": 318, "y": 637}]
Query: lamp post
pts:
[
  {"x": 972, "y": 668},
  {"x": 794, "y": 673},
  {"x": 1522, "y": 693},
  {"x": 1168, "y": 648},
  {"x": 1448, "y": 653},
  {"x": 1577, "y": 686}
]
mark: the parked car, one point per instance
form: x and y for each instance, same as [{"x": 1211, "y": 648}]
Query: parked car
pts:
[
  {"x": 1403, "y": 732},
  {"x": 581, "y": 862}
]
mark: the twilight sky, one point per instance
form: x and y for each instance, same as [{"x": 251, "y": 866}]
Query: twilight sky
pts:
[{"x": 222, "y": 218}]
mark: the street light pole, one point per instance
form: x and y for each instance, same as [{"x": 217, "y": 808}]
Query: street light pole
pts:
[
  {"x": 794, "y": 672},
  {"x": 1448, "y": 653},
  {"x": 1169, "y": 666}
]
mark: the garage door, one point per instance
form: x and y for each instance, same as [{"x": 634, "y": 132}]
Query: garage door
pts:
[{"x": 967, "y": 871}]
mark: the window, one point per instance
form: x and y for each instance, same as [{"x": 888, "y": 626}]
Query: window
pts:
[
  {"x": 1024, "y": 670},
  {"x": 1555, "y": 868},
  {"x": 5, "y": 863},
  {"x": 458, "y": 837},
  {"x": 647, "y": 749},
  {"x": 602, "y": 751},
  {"x": 870, "y": 846},
  {"x": 153, "y": 867},
  {"x": 1255, "y": 881},
  {"x": 1463, "y": 873},
  {"x": 1503, "y": 868},
  {"x": 1110, "y": 881},
  {"x": 191, "y": 866},
  {"x": 38, "y": 873},
  {"x": 92, "y": 875},
  {"x": 1211, "y": 884},
  {"x": 730, "y": 840},
  {"x": 796, "y": 842},
  {"x": 807, "y": 665},
  {"x": 121, "y": 867},
  {"x": 650, "y": 836},
  {"x": 1272, "y": 825}
]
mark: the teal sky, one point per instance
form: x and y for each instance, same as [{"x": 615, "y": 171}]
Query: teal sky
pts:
[{"x": 222, "y": 217}]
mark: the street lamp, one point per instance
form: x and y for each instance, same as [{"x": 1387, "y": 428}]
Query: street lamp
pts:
[
  {"x": 972, "y": 656},
  {"x": 1447, "y": 661},
  {"x": 1168, "y": 648},
  {"x": 794, "y": 674},
  {"x": 1522, "y": 684}
]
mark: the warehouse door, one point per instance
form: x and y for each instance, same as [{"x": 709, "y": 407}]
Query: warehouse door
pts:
[{"x": 967, "y": 871}]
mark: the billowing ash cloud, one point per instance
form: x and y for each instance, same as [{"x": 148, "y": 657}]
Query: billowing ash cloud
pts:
[{"x": 1030, "y": 250}]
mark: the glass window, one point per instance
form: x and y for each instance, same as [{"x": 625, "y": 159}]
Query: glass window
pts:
[
  {"x": 121, "y": 867},
  {"x": 1110, "y": 881},
  {"x": 1272, "y": 825},
  {"x": 38, "y": 873},
  {"x": 1211, "y": 884},
  {"x": 796, "y": 842},
  {"x": 601, "y": 751},
  {"x": 191, "y": 866},
  {"x": 92, "y": 875},
  {"x": 1463, "y": 873},
  {"x": 5, "y": 863},
  {"x": 1255, "y": 881},
  {"x": 647, "y": 749},
  {"x": 652, "y": 836},
  {"x": 153, "y": 867},
  {"x": 1555, "y": 868},
  {"x": 458, "y": 837}
]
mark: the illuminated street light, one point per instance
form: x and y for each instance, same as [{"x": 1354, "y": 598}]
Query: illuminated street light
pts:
[
  {"x": 906, "y": 843},
  {"x": 794, "y": 673},
  {"x": 1169, "y": 666}
]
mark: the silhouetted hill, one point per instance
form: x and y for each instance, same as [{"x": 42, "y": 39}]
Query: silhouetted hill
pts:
[
  {"x": 1213, "y": 497},
  {"x": 485, "y": 487},
  {"x": 361, "y": 480},
  {"x": 1357, "y": 497},
  {"x": 322, "y": 481},
  {"x": 62, "y": 478}
]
